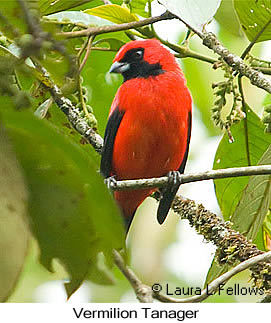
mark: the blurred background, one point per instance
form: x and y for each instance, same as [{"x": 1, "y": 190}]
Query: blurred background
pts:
[{"x": 171, "y": 254}]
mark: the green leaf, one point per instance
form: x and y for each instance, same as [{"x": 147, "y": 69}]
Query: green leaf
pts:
[
  {"x": 14, "y": 232},
  {"x": 196, "y": 13},
  {"x": 227, "y": 18},
  {"x": 112, "y": 12},
  {"x": 6, "y": 52},
  {"x": 76, "y": 17},
  {"x": 113, "y": 43},
  {"x": 267, "y": 231},
  {"x": 138, "y": 7},
  {"x": 51, "y": 6},
  {"x": 250, "y": 212},
  {"x": 253, "y": 16},
  {"x": 231, "y": 190},
  {"x": 42, "y": 109},
  {"x": 14, "y": 52},
  {"x": 72, "y": 214},
  {"x": 215, "y": 271}
]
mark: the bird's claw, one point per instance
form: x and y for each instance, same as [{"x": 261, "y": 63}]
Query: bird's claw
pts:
[
  {"x": 174, "y": 179},
  {"x": 110, "y": 182}
]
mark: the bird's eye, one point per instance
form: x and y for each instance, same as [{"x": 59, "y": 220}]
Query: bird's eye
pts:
[{"x": 138, "y": 54}]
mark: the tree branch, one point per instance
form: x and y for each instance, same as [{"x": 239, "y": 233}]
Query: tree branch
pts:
[
  {"x": 145, "y": 294},
  {"x": 189, "y": 178},
  {"x": 214, "y": 285},
  {"x": 88, "y": 47},
  {"x": 232, "y": 246},
  {"x": 79, "y": 123},
  {"x": 264, "y": 70},
  {"x": 256, "y": 78},
  {"x": 210, "y": 40},
  {"x": 142, "y": 291},
  {"x": 93, "y": 31}
]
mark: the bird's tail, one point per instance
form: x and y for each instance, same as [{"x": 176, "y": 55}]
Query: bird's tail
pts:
[{"x": 165, "y": 203}]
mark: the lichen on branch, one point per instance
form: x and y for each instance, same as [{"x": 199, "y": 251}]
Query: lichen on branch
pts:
[
  {"x": 232, "y": 246},
  {"x": 256, "y": 78}
]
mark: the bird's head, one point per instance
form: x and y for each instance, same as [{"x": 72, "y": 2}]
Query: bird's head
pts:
[{"x": 143, "y": 59}]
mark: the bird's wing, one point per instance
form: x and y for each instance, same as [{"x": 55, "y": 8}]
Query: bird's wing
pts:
[
  {"x": 169, "y": 194},
  {"x": 109, "y": 139}
]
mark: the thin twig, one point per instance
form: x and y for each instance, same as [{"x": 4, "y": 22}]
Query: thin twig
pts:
[
  {"x": 104, "y": 49},
  {"x": 189, "y": 178},
  {"x": 82, "y": 49},
  {"x": 256, "y": 78},
  {"x": 89, "y": 44},
  {"x": 185, "y": 52},
  {"x": 142, "y": 291},
  {"x": 145, "y": 294},
  {"x": 81, "y": 96},
  {"x": 73, "y": 114},
  {"x": 264, "y": 70},
  {"x": 149, "y": 10},
  {"x": 117, "y": 27},
  {"x": 244, "y": 109},
  {"x": 210, "y": 40},
  {"x": 232, "y": 246},
  {"x": 221, "y": 280}
]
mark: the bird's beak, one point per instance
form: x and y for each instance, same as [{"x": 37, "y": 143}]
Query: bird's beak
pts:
[{"x": 119, "y": 67}]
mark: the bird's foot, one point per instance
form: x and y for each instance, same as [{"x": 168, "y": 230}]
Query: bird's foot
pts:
[
  {"x": 111, "y": 182},
  {"x": 174, "y": 179}
]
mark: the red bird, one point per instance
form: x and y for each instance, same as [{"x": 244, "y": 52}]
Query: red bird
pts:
[{"x": 149, "y": 125}]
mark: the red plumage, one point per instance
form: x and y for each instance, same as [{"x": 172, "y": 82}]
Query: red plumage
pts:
[{"x": 153, "y": 135}]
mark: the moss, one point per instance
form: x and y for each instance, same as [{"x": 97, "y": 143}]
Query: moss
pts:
[{"x": 232, "y": 246}]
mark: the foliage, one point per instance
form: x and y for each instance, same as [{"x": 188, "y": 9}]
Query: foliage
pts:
[
  {"x": 254, "y": 16},
  {"x": 49, "y": 181},
  {"x": 114, "y": 13},
  {"x": 195, "y": 13},
  {"x": 14, "y": 225}
]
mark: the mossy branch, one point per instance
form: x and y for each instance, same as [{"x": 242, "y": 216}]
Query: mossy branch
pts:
[{"x": 232, "y": 246}]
